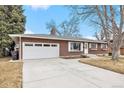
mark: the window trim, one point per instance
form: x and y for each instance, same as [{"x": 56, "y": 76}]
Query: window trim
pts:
[
  {"x": 90, "y": 46},
  {"x": 53, "y": 45},
  {"x": 106, "y": 47},
  {"x": 38, "y": 45},
  {"x": 28, "y": 45},
  {"x": 69, "y": 47},
  {"x": 45, "y": 45}
]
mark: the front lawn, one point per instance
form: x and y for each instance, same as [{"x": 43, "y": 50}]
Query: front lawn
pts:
[
  {"x": 10, "y": 73},
  {"x": 105, "y": 63}
]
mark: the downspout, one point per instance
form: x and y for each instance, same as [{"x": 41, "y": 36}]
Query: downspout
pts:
[{"x": 20, "y": 47}]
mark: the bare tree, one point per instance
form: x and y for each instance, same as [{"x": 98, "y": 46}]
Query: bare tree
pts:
[
  {"x": 70, "y": 28},
  {"x": 66, "y": 28},
  {"x": 118, "y": 34},
  {"x": 109, "y": 19},
  {"x": 52, "y": 26},
  {"x": 100, "y": 35}
]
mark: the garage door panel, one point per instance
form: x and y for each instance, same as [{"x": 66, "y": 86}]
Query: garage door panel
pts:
[{"x": 35, "y": 52}]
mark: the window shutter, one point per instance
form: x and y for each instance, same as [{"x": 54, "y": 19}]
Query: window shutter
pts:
[
  {"x": 81, "y": 46},
  {"x": 89, "y": 45},
  {"x": 102, "y": 45},
  {"x": 96, "y": 45},
  {"x": 69, "y": 46},
  {"x": 106, "y": 46}
]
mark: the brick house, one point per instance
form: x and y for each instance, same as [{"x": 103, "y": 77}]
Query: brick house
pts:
[{"x": 36, "y": 46}]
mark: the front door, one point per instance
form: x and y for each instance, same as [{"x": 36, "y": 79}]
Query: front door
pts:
[{"x": 85, "y": 48}]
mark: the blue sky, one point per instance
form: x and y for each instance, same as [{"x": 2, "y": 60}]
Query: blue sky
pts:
[{"x": 38, "y": 16}]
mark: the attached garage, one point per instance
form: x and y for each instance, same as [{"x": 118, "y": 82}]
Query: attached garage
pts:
[
  {"x": 37, "y": 46},
  {"x": 40, "y": 50}
]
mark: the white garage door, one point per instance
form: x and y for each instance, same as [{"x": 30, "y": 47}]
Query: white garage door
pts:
[{"x": 40, "y": 50}]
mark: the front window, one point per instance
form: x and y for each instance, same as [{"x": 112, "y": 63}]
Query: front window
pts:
[
  {"x": 54, "y": 45},
  {"x": 46, "y": 45},
  {"x": 38, "y": 45},
  {"x": 93, "y": 45},
  {"x": 28, "y": 44},
  {"x": 74, "y": 46},
  {"x": 104, "y": 46}
]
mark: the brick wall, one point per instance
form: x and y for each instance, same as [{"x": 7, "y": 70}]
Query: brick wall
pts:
[{"x": 64, "y": 46}]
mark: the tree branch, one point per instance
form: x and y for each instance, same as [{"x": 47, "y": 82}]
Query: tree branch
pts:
[{"x": 121, "y": 18}]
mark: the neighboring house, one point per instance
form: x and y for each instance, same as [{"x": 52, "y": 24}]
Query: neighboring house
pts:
[
  {"x": 121, "y": 52},
  {"x": 36, "y": 46},
  {"x": 122, "y": 49}
]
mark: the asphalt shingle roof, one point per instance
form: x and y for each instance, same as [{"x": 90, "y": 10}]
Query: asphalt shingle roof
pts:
[{"x": 56, "y": 37}]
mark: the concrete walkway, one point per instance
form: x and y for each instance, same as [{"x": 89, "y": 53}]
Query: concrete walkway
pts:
[{"x": 67, "y": 73}]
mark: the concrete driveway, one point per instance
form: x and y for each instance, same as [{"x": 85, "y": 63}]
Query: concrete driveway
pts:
[{"x": 67, "y": 73}]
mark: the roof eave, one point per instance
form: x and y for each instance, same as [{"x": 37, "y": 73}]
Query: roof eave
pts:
[
  {"x": 14, "y": 35},
  {"x": 20, "y": 35}
]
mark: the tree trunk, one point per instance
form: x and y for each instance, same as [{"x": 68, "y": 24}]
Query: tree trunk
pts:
[
  {"x": 115, "y": 54},
  {"x": 1, "y": 52}
]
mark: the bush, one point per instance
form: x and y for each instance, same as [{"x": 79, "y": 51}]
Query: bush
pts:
[{"x": 110, "y": 54}]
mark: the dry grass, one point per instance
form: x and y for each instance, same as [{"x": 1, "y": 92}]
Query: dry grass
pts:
[
  {"x": 106, "y": 63},
  {"x": 5, "y": 59},
  {"x": 10, "y": 73}
]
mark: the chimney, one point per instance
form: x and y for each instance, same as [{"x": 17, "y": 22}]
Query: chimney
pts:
[{"x": 53, "y": 31}]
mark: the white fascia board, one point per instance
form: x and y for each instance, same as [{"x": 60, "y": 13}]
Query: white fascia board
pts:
[
  {"x": 62, "y": 39},
  {"x": 20, "y": 35},
  {"x": 14, "y": 35}
]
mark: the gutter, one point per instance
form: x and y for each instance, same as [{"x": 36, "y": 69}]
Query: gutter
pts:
[
  {"x": 20, "y": 48},
  {"x": 54, "y": 38}
]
